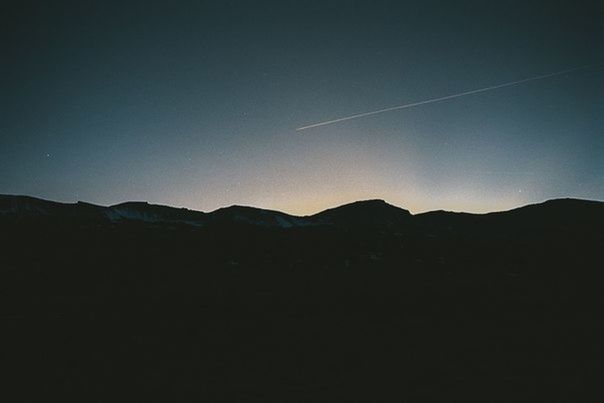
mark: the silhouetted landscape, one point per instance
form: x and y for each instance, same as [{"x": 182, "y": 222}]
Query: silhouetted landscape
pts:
[
  {"x": 338, "y": 201},
  {"x": 360, "y": 303}
]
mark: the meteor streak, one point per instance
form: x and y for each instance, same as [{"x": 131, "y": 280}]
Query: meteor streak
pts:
[{"x": 447, "y": 97}]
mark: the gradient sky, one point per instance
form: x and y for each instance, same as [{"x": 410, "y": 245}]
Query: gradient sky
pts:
[{"x": 196, "y": 104}]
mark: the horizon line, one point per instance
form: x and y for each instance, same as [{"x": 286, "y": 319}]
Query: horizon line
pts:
[{"x": 305, "y": 215}]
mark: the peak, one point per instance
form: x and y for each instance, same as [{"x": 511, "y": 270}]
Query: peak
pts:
[
  {"x": 132, "y": 204},
  {"x": 561, "y": 203},
  {"x": 570, "y": 201},
  {"x": 86, "y": 204},
  {"x": 236, "y": 207},
  {"x": 247, "y": 210},
  {"x": 365, "y": 213},
  {"x": 370, "y": 202},
  {"x": 366, "y": 204}
]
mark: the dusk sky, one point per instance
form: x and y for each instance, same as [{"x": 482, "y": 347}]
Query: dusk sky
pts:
[{"x": 196, "y": 104}]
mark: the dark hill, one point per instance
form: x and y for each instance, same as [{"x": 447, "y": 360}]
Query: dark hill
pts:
[
  {"x": 256, "y": 216},
  {"x": 367, "y": 213},
  {"x": 142, "y": 211}
]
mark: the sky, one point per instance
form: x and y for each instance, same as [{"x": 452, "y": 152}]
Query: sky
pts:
[{"x": 196, "y": 103}]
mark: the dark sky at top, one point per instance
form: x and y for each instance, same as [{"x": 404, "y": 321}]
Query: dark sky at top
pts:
[{"x": 196, "y": 103}]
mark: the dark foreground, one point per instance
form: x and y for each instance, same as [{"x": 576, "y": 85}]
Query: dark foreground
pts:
[{"x": 434, "y": 308}]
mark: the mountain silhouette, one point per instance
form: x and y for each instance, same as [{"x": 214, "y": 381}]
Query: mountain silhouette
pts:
[
  {"x": 361, "y": 302},
  {"x": 375, "y": 214}
]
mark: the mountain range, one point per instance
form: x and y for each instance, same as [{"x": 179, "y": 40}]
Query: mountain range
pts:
[
  {"x": 376, "y": 214},
  {"x": 359, "y": 303}
]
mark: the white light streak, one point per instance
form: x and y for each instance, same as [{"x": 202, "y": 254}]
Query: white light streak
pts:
[{"x": 448, "y": 97}]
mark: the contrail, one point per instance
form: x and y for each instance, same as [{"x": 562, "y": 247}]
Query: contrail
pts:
[{"x": 445, "y": 98}]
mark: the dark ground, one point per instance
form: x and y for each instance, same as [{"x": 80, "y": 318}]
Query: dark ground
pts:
[{"x": 448, "y": 308}]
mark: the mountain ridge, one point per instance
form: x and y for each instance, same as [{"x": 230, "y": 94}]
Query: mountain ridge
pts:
[
  {"x": 372, "y": 213},
  {"x": 362, "y": 202}
]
